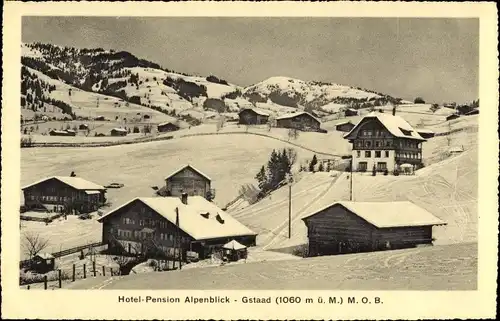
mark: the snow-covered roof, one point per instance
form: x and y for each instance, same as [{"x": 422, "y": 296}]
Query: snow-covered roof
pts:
[
  {"x": 396, "y": 125},
  {"x": 257, "y": 111},
  {"x": 119, "y": 129},
  {"x": 388, "y": 214},
  {"x": 455, "y": 149},
  {"x": 45, "y": 256},
  {"x": 234, "y": 245},
  {"x": 168, "y": 122},
  {"x": 295, "y": 114},
  {"x": 201, "y": 227},
  {"x": 190, "y": 166},
  {"x": 75, "y": 182},
  {"x": 58, "y": 131}
]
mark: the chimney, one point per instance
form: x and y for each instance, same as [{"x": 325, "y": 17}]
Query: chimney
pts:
[{"x": 184, "y": 198}]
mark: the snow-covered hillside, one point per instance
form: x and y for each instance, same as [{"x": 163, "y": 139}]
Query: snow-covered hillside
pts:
[{"x": 145, "y": 83}]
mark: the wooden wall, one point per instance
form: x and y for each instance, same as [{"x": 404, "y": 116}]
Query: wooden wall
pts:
[
  {"x": 337, "y": 230},
  {"x": 188, "y": 181}
]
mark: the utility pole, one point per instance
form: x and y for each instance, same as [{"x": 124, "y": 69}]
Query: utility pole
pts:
[
  {"x": 290, "y": 211},
  {"x": 290, "y": 181},
  {"x": 350, "y": 185},
  {"x": 178, "y": 237}
]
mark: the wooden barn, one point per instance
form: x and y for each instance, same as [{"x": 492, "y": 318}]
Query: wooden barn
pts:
[
  {"x": 64, "y": 194},
  {"x": 43, "y": 262},
  {"x": 452, "y": 116},
  {"x": 345, "y": 126},
  {"x": 190, "y": 180},
  {"x": 83, "y": 127},
  {"x": 118, "y": 132},
  {"x": 62, "y": 133},
  {"x": 299, "y": 120},
  {"x": 347, "y": 227},
  {"x": 472, "y": 112},
  {"x": 160, "y": 226},
  {"x": 350, "y": 112},
  {"x": 167, "y": 127},
  {"x": 425, "y": 133},
  {"x": 252, "y": 116}
]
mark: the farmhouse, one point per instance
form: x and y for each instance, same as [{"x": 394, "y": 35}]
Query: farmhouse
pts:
[
  {"x": 425, "y": 133},
  {"x": 167, "y": 127},
  {"x": 157, "y": 226},
  {"x": 346, "y": 227},
  {"x": 345, "y": 126},
  {"x": 385, "y": 142},
  {"x": 350, "y": 112},
  {"x": 64, "y": 194},
  {"x": 252, "y": 116},
  {"x": 472, "y": 112},
  {"x": 62, "y": 133},
  {"x": 118, "y": 132},
  {"x": 452, "y": 116},
  {"x": 190, "y": 180},
  {"x": 100, "y": 118},
  {"x": 299, "y": 120},
  {"x": 83, "y": 127}
]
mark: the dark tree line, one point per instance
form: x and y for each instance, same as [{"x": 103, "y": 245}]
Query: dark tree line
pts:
[{"x": 273, "y": 175}]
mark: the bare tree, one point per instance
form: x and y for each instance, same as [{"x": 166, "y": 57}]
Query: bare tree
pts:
[
  {"x": 220, "y": 123},
  {"x": 33, "y": 244},
  {"x": 271, "y": 122},
  {"x": 293, "y": 133}
]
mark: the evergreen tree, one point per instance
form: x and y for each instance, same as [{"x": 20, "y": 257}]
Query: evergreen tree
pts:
[
  {"x": 313, "y": 163},
  {"x": 261, "y": 178},
  {"x": 321, "y": 167}
]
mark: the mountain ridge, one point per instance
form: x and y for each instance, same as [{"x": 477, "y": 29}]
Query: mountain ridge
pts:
[{"x": 134, "y": 80}]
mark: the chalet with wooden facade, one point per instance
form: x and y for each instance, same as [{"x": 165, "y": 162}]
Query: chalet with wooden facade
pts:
[
  {"x": 190, "y": 180},
  {"x": 167, "y": 127},
  {"x": 62, "y": 133},
  {"x": 347, "y": 227},
  {"x": 252, "y": 116},
  {"x": 119, "y": 132},
  {"x": 350, "y": 112},
  {"x": 64, "y": 194},
  {"x": 345, "y": 126},
  {"x": 160, "y": 226},
  {"x": 425, "y": 133},
  {"x": 299, "y": 120},
  {"x": 385, "y": 142},
  {"x": 452, "y": 116}
]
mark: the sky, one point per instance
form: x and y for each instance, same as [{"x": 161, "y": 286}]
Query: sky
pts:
[{"x": 436, "y": 59}]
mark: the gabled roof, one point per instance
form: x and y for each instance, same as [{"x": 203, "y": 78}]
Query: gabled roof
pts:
[
  {"x": 388, "y": 214},
  {"x": 75, "y": 182},
  {"x": 295, "y": 114},
  {"x": 169, "y": 122},
  {"x": 119, "y": 129},
  {"x": 396, "y": 125},
  {"x": 234, "y": 245},
  {"x": 45, "y": 256},
  {"x": 255, "y": 110},
  {"x": 190, "y": 166},
  {"x": 190, "y": 219}
]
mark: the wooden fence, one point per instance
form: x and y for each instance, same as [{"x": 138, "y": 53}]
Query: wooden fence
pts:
[{"x": 68, "y": 251}]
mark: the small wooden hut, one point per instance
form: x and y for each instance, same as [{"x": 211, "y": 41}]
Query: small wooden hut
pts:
[{"x": 234, "y": 250}]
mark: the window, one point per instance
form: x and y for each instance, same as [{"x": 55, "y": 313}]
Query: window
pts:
[
  {"x": 368, "y": 154},
  {"x": 377, "y": 154},
  {"x": 386, "y": 153},
  {"x": 377, "y": 143},
  {"x": 358, "y": 153},
  {"x": 381, "y": 166},
  {"x": 362, "y": 166},
  {"x": 171, "y": 237},
  {"x": 368, "y": 143}
]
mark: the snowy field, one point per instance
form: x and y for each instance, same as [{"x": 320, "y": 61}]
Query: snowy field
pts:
[{"x": 413, "y": 269}]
